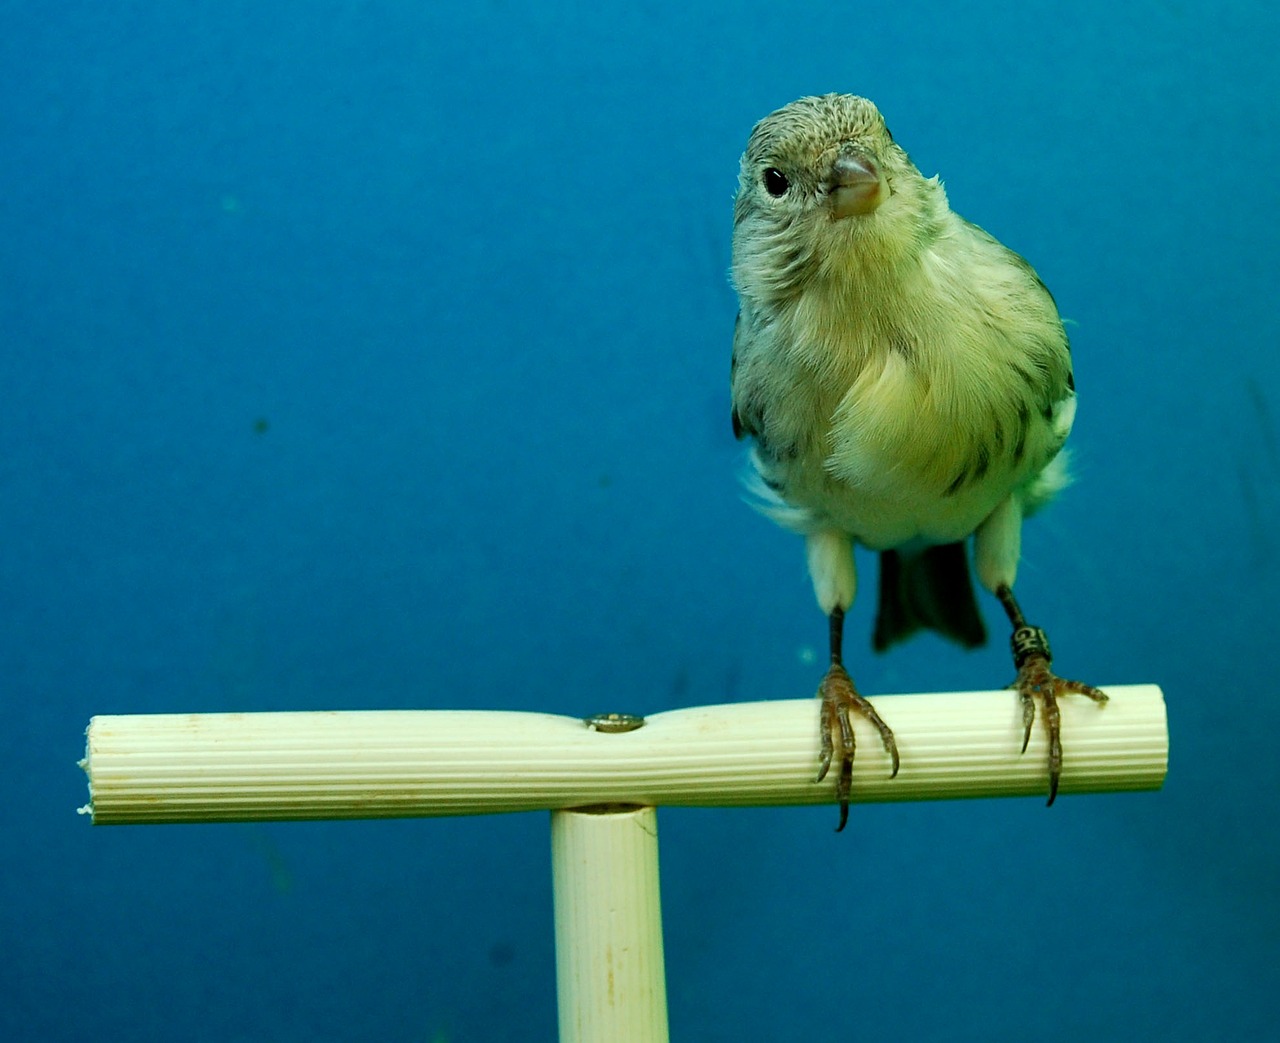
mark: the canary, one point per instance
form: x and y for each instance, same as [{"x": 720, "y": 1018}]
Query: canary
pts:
[{"x": 907, "y": 384}]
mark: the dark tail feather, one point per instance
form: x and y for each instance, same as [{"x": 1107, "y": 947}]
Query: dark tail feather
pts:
[{"x": 931, "y": 589}]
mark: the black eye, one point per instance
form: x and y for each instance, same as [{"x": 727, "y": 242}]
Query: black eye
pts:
[{"x": 775, "y": 182}]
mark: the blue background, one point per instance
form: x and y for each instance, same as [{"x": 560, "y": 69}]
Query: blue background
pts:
[{"x": 374, "y": 355}]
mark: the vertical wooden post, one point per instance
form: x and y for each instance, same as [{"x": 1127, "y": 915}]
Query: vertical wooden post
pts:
[{"x": 610, "y": 979}]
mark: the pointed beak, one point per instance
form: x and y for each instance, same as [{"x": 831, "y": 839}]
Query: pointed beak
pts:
[{"x": 857, "y": 187}]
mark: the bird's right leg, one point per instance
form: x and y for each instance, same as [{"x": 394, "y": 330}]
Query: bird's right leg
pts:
[
  {"x": 831, "y": 568},
  {"x": 839, "y": 696}
]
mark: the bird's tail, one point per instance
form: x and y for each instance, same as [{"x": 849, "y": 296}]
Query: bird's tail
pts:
[{"x": 930, "y": 589}]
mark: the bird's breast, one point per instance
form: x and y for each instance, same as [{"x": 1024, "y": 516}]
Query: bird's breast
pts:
[{"x": 889, "y": 441}]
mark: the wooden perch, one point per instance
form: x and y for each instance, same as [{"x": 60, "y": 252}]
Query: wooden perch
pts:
[{"x": 237, "y": 767}]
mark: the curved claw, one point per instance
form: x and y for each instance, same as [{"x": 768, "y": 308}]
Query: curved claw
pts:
[{"x": 1028, "y": 714}]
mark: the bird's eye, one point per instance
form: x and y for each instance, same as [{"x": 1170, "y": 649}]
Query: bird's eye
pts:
[{"x": 775, "y": 182}]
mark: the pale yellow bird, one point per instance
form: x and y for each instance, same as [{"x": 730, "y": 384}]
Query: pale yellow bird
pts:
[{"x": 907, "y": 382}]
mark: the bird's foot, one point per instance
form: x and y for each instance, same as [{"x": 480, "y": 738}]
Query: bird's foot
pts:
[
  {"x": 838, "y": 698},
  {"x": 1036, "y": 681}
]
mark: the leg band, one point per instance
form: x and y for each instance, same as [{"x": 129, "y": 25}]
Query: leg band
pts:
[{"x": 1028, "y": 641}]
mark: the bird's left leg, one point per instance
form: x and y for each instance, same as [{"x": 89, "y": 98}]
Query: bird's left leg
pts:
[
  {"x": 1031, "y": 657},
  {"x": 997, "y": 546}
]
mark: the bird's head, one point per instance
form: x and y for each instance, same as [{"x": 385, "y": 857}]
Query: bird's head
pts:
[{"x": 823, "y": 178}]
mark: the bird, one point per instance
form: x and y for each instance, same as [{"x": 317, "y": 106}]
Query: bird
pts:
[{"x": 905, "y": 382}]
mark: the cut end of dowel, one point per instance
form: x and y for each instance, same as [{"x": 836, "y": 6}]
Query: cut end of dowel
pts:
[{"x": 83, "y": 762}]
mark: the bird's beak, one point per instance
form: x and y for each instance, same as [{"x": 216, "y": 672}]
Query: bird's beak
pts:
[{"x": 857, "y": 187}]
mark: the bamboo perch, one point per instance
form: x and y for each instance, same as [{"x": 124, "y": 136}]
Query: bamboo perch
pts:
[{"x": 237, "y": 767}]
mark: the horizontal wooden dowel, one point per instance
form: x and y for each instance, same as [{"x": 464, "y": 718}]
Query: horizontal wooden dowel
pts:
[{"x": 230, "y": 767}]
